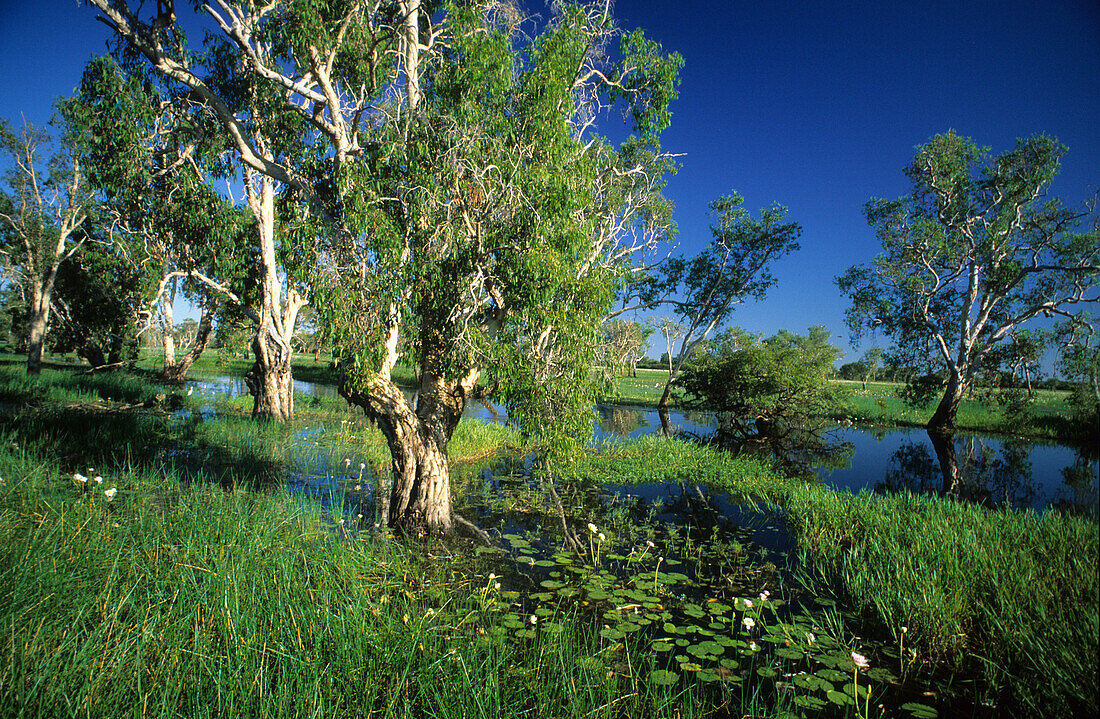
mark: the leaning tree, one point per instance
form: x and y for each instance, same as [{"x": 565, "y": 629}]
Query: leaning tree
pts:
[
  {"x": 705, "y": 290},
  {"x": 451, "y": 196},
  {"x": 973, "y": 252}
]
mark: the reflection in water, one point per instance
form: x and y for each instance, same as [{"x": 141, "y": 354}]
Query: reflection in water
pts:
[
  {"x": 799, "y": 452},
  {"x": 997, "y": 472},
  {"x": 976, "y": 469}
]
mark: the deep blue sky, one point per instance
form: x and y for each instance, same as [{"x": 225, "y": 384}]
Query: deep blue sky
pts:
[{"x": 816, "y": 105}]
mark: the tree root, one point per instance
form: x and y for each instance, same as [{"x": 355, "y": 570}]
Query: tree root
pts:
[{"x": 473, "y": 530}]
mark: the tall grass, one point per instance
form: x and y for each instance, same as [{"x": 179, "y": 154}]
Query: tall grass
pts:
[
  {"x": 1013, "y": 595},
  {"x": 206, "y": 602}
]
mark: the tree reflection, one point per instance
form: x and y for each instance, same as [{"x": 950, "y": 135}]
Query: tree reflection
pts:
[
  {"x": 972, "y": 468},
  {"x": 621, "y": 421},
  {"x": 799, "y": 451}
]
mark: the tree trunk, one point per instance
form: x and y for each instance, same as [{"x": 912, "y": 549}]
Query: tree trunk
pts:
[
  {"x": 36, "y": 334},
  {"x": 269, "y": 380},
  {"x": 944, "y": 418},
  {"x": 177, "y": 371},
  {"x": 420, "y": 493}
]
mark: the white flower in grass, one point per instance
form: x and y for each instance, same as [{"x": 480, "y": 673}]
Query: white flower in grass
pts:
[
  {"x": 492, "y": 576},
  {"x": 810, "y": 638},
  {"x": 347, "y": 462},
  {"x": 79, "y": 478},
  {"x": 602, "y": 538},
  {"x": 749, "y": 622},
  {"x": 362, "y": 466},
  {"x": 752, "y": 646},
  {"x": 860, "y": 660},
  {"x": 98, "y": 479},
  {"x": 650, "y": 544},
  {"x": 357, "y": 488},
  {"x": 496, "y": 586},
  {"x": 534, "y": 619},
  {"x": 110, "y": 493},
  {"x": 748, "y": 603},
  {"x": 592, "y": 528},
  {"x": 764, "y": 595}
]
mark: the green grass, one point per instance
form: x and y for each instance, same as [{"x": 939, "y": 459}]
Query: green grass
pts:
[
  {"x": 1010, "y": 595},
  {"x": 189, "y": 594}
]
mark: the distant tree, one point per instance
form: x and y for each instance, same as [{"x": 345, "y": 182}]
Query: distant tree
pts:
[
  {"x": 734, "y": 266},
  {"x": 767, "y": 387},
  {"x": 42, "y": 219},
  {"x": 872, "y": 358},
  {"x": 1079, "y": 362},
  {"x": 626, "y": 342},
  {"x": 969, "y": 255},
  {"x": 852, "y": 371}
]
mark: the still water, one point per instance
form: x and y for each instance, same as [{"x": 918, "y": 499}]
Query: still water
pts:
[{"x": 996, "y": 471}]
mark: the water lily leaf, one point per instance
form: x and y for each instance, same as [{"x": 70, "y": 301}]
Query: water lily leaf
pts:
[
  {"x": 662, "y": 647},
  {"x": 810, "y": 702},
  {"x": 832, "y": 675},
  {"x": 597, "y": 595},
  {"x": 882, "y": 676},
  {"x": 708, "y": 675},
  {"x": 792, "y": 652},
  {"x": 682, "y": 642},
  {"x": 839, "y": 698},
  {"x": 544, "y": 563},
  {"x": 920, "y": 711},
  {"x": 552, "y": 584},
  {"x": 766, "y": 672},
  {"x": 691, "y": 667},
  {"x": 568, "y": 592},
  {"x": 663, "y": 677}
]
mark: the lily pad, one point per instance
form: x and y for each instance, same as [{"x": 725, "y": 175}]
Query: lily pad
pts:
[
  {"x": 663, "y": 677},
  {"x": 920, "y": 711}
]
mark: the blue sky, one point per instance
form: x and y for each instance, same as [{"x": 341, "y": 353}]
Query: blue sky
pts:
[{"x": 816, "y": 105}]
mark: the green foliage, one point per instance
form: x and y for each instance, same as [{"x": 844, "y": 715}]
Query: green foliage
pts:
[{"x": 764, "y": 384}]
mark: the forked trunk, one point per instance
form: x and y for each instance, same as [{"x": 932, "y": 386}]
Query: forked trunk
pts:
[
  {"x": 177, "y": 371},
  {"x": 944, "y": 418},
  {"x": 420, "y": 491},
  {"x": 269, "y": 380}
]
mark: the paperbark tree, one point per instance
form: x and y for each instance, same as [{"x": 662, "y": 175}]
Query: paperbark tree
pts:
[
  {"x": 41, "y": 221},
  {"x": 154, "y": 152},
  {"x": 733, "y": 267},
  {"x": 972, "y": 253},
  {"x": 452, "y": 199}
]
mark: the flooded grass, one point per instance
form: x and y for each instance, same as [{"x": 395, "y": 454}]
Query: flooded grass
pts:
[{"x": 235, "y": 569}]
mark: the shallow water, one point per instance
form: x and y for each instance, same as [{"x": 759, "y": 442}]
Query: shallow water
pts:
[{"x": 1001, "y": 472}]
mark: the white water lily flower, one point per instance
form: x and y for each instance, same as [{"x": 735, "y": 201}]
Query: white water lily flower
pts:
[
  {"x": 110, "y": 493},
  {"x": 764, "y": 595},
  {"x": 592, "y": 528},
  {"x": 749, "y": 622},
  {"x": 496, "y": 586},
  {"x": 810, "y": 638},
  {"x": 534, "y": 619},
  {"x": 860, "y": 660},
  {"x": 752, "y": 646},
  {"x": 748, "y": 603},
  {"x": 492, "y": 576}
]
